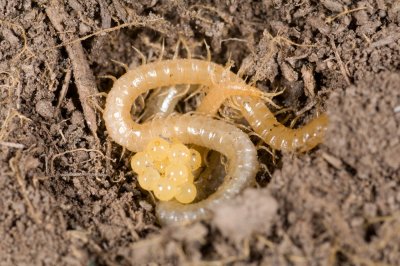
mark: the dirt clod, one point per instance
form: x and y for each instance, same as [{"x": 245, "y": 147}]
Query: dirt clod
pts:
[
  {"x": 250, "y": 213},
  {"x": 45, "y": 108}
]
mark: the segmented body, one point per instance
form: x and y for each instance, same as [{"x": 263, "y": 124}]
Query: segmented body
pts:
[
  {"x": 263, "y": 121},
  {"x": 223, "y": 84},
  {"x": 199, "y": 130},
  {"x": 162, "y": 102},
  {"x": 279, "y": 137}
]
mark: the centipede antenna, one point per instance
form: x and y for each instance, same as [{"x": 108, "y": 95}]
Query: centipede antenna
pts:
[
  {"x": 125, "y": 66},
  {"x": 142, "y": 56}
]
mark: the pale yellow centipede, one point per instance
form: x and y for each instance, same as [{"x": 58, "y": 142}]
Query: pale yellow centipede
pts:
[
  {"x": 195, "y": 129},
  {"x": 203, "y": 131}
]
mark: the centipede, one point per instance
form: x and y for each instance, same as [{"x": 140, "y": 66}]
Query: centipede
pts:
[
  {"x": 195, "y": 129},
  {"x": 202, "y": 130}
]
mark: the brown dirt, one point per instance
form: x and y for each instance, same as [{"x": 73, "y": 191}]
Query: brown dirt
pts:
[{"x": 68, "y": 197}]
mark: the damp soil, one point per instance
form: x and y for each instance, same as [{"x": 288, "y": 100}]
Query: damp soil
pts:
[{"x": 68, "y": 196}]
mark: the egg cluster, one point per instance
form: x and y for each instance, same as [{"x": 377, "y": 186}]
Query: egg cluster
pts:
[{"x": 166, "y": 169}]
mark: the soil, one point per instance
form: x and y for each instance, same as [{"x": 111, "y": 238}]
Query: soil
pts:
[{"x": 68, "y": 196}]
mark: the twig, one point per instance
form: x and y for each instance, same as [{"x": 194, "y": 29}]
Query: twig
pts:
[
  {"x": 14, "y": 165},
  {"x": 345, "y": 12},
  {"x": 84, "y": 79},
  {"x": 128, "y": 223},
  {"x": 81, "y": 174},
  {"x": 225, "y": 17},
  {"x": 102, "y": 31},
  {"x": 75, "y": 150},
  {"x": 385, "y": 41},
  {"x": 108, "y": 154},
  {"x": 11, "y": 114},
  {"x": 340, "y": 62},
  {"x": 12, "y": 144},
  {"x": 64, "y": 88},
  {"x": 25, "y": 41}
]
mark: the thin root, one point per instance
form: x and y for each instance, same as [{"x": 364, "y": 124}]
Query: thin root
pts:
[
  {"x": 345, "y": 12},
  {"x": 75, "y": 150},
  {"x": 14, "y": 165}
]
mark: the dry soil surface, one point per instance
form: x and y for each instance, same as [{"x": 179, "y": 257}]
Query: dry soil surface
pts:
[{"x": 68, "y": 196}]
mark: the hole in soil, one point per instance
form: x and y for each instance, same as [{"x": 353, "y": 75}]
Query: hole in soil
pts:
[
  {"x": 370, "y": 232},
  {"x": 353, "y": 24},
  {"x": 207, "y": 250},
  {"x": 319, "y": 79},
  {"x": 350, "y": 169},
  {"x": 341, "y": 259},
  {"x": 268, "y": 166}
]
